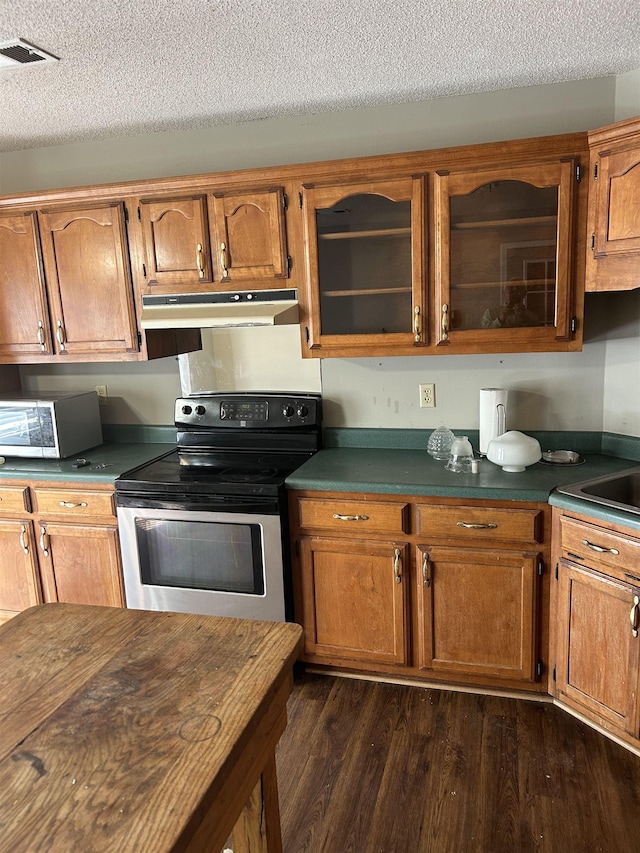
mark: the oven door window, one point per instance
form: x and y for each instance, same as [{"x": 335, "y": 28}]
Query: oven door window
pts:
[{"x": 189, "y": 554}]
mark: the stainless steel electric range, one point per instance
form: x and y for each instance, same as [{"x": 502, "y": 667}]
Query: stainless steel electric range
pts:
[{"x": 204, "y": 528}]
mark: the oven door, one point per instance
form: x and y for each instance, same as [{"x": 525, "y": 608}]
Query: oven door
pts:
[{"x": 196, "y": 560}]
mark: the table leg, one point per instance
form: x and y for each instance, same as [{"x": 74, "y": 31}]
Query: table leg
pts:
[{"x": 258, "y": 827}]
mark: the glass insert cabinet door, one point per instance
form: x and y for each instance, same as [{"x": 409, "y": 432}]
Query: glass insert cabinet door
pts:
[
  {"x": 365, "y": 252},
  {"x": 503, "y": 245}
]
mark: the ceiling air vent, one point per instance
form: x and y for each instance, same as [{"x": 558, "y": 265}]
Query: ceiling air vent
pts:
[{"x": 19, "y": 52}]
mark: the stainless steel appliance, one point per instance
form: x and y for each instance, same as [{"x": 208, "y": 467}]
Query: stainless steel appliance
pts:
[
  {"x": 49, "y": 426},
  {"x": 204, "y": 528}
]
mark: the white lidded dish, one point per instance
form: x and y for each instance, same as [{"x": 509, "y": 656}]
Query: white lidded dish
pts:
[{"x": 514, "y": 451}]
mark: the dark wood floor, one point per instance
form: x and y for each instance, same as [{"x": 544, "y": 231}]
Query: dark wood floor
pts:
[{"x": 366, "y": 767}]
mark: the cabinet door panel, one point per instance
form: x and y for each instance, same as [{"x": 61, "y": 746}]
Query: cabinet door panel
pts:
[
  {"x": 24, "y": 316},
  {"x": 598, "y": 656},
  {"x": 250, "y": 235},
  {"x": 477, "y": 611},
  {"x": 355, "y": 596},
  {"x": 176, "y": 241},
  {"x": 87, "y": 266},
  {"x": 366, "y": 265},
  {"x": 19, "y": 585},
  {"x": 618, "y": 204},
  {"x": 503, "y": 255},
  {"x": 80, "y": 564}
]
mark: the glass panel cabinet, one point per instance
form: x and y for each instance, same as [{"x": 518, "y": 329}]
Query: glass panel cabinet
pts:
[
  {"x": 366, "y": 267},
  {"x": 503, "y": 255}
]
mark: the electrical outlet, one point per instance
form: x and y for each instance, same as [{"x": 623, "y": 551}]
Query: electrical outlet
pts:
[
  {"x": 101, "y": 391},
  {"x": 427, "y": 395}
]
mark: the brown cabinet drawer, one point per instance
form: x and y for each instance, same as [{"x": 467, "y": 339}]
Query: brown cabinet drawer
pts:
[
  {"x": 74, "y": 503},
  {"x": 353, "y": 517},
  {"x": 594, "y": 545},
  {"x": 480, "y": 523},
  {"x": 14, "y": 499}
]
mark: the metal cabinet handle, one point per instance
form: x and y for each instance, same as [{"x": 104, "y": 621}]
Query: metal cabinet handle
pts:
[
  {"x": 425, "y": 571},
  {"x": 633, "y": 616},
  {"x": 60, "y": 334},
  {"x": 41, "y": 336},
  {"x": 223, "y": 259},
  {"x": 70, "y": 505},
  {"x": 599, "y": 548},
  {"x": 397, "y": 565},
  {"x": 199, "y": 260},
  {"x": 469, "y": 526},
  {"x": 416, "y": 323},
  {"x": 24, "y": 540},
  {"x": 350, "y": 517},
  {"x": 44, "y": 540},
  {"x": 445, "y": 322}
]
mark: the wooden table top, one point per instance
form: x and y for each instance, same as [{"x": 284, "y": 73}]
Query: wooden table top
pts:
[{"x": 121, "y": 729}]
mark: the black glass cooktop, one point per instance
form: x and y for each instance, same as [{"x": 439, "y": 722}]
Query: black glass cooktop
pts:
[{"x": 222, "y": 472}]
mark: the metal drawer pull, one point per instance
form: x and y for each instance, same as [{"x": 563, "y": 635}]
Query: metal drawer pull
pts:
[
  {"x": 397, "y": 564},
  {"x": 599, "y": 548},
  {"x": 41, "y": 337},
  {"x": 416, "y": 323},
  {"x": 469, "y": 526},
  {"x": 199, "y": 260},
  {"x": 350, "y": 517},
  {"x": 24, "y": 542},
  {"x": 60, "y": 334},
  {"x": 425, "y": 570},
  {"x": 445, "y": 322},
  {"x": 223, "y": 259},
  {"x": 633, "y": 616},
  {"x": 70, "y": 505},
  {"x": 44, "y": 541}
]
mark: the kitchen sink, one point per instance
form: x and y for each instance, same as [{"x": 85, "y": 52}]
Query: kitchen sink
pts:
[{"x": 620, "y": 490}]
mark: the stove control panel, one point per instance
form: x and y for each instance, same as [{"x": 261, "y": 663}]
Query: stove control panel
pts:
[{"x": 248, "y": 410}]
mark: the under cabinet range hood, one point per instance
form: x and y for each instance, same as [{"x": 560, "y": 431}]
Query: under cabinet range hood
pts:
[{"x": 220, "y": 310}]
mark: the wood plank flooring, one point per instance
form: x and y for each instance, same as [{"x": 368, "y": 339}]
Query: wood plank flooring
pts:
[{"x": 365, "y": 767}]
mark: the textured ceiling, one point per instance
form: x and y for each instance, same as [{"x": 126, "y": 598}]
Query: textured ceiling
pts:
[{"x": 133, "y": 66}]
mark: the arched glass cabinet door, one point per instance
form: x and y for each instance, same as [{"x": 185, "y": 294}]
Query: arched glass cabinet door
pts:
[
  {"x": 503, "y": 257},
  {"x": 365, "y": 266}
]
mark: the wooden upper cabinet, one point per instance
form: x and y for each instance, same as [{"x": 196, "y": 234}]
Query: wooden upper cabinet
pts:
[
  {"x": 87, "y": 267},
  {"x": 250, "y": 240},
  {"x": 613, "y": 250},
  {"x": 24, "y": 316},
  {"x": 504, "y": 257},
  {"x": 177, "y": 250},
  {"x": 365, "y": 266}
]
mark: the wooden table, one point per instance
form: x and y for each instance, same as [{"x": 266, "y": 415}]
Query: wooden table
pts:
[{"x": 126, "y": 730}]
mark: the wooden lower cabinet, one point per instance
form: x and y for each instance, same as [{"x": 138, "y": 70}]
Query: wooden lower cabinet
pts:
[
  {"x": 355, "y": 600},
  {"x": 58, "y": 544},
  {"x": 599, "y": 651},
  {"x": 596, "y": 607},
  {"x": 467, "y": 605},
  {"x": 477, "y": 612},
  {"x": 80, "y": 564},
  {"x": 19, "y": 577}
]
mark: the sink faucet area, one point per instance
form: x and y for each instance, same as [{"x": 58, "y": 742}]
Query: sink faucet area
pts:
[{"x": 620, "y": 490}]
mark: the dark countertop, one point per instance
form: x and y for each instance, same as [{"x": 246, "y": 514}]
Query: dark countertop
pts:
[
  {"x": 414, "y": 472},
  {"x": 117, "y": 457}
]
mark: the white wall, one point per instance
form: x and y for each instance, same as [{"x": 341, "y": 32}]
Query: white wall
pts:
[
  {"x": 550, "y": 391},
  {"x": 627, "y": 101}
]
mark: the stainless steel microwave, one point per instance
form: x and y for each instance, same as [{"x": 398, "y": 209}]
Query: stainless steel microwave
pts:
[{"x": 49, "y": 426}]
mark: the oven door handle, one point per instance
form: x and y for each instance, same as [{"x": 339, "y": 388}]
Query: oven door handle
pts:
[{"x": 200, "y": 503}]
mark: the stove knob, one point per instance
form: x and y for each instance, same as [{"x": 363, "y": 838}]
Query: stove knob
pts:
[
  {"x": 200, "y": 410},
  {"x": 302, "y": 412},
  {"x": 186, "y": 410},
  {"x": 288, "y": 411}
]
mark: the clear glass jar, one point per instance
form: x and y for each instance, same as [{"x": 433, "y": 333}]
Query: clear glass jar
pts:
[{"x": 439, "y": 443}]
